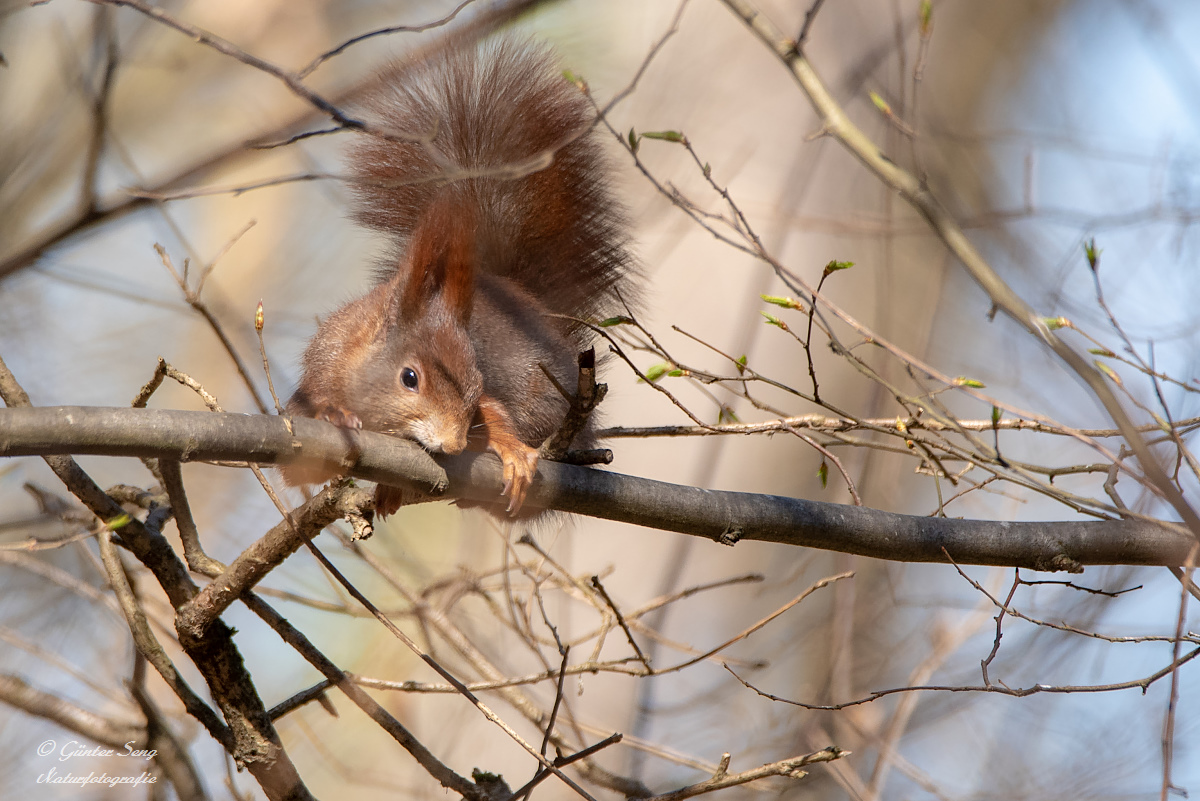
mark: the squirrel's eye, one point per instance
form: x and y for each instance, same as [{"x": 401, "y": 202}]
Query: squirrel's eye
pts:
[{"x": 408, "y": 377}]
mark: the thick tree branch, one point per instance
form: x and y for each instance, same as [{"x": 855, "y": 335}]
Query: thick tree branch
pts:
[{"x": 720, "y": 516}]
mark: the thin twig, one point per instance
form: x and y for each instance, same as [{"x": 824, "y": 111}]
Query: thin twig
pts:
[
  {"x": 445, "y": 674},
  {"x": 838, "y": 125},
  {"x": 362, "y": 37},
  {"x": 810, "y": 17},
  {"x": 791, "y": 768},
  {"x": 624, "y": 626}
]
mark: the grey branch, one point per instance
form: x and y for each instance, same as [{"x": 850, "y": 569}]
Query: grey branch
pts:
[
  {"x": 114, "y": 734},
  {"x": 724, "y": 517},
  {"x": 792, "y": 768}
]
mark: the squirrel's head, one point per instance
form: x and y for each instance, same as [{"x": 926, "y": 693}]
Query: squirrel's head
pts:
[{"x": 426, "y": 380}]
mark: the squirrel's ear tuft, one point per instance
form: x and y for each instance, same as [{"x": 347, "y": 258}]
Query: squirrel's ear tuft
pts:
[{"x": 441, "y": 258}]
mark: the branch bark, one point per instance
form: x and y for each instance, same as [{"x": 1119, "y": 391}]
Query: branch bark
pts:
[{"x": 725, "y": 517}]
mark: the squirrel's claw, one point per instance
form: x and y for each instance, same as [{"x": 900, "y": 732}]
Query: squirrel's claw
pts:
[
  {"x": 518, "y": 459},
  {"x": 342, "y": 418},
  {"x": 520, "y": 463},
  {"x": 388, "y": 500}
]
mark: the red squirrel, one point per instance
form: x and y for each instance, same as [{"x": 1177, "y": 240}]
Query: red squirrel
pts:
[{"x": 505, "y": 235}]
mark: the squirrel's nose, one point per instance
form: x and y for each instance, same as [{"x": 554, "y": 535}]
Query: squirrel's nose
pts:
[{"x": 453, "y": 443}]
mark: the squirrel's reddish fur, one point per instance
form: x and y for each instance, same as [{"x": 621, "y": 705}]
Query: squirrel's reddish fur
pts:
[{"x": 490, "y": 182}]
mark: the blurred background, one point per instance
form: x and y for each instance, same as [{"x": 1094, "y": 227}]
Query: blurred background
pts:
[{"x": 1040, "y": 124}]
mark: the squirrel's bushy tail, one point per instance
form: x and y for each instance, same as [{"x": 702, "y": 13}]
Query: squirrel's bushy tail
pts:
[{"x": 505, "y": 134}]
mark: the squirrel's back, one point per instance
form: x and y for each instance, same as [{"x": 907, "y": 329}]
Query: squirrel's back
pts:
[{"x": 502, "y": 113}]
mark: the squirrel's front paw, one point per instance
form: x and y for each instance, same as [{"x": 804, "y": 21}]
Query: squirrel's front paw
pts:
[
  {"x": 520, "y": 463},
  {"x": 342, "y": 418}
]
